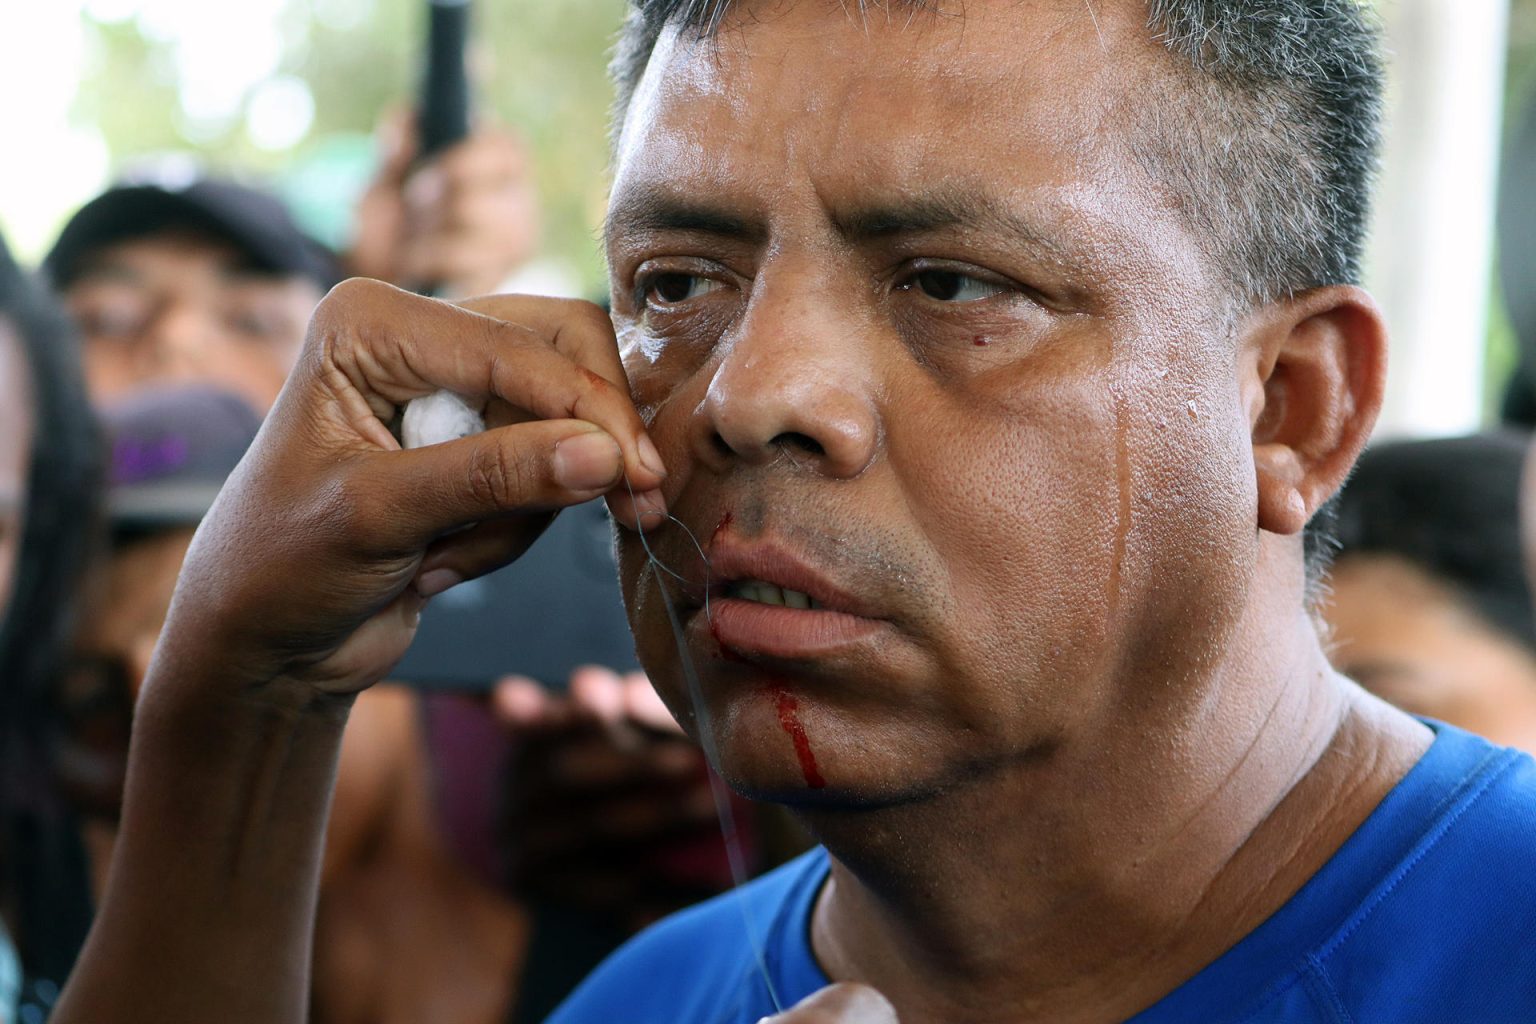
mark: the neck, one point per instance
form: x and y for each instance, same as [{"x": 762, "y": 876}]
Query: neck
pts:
[{"x": 1086, "y": 885}]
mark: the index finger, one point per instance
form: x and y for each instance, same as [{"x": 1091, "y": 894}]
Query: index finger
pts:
[
  {"x": 592, "y": 344},
  {"x": 557, "y": 359}
]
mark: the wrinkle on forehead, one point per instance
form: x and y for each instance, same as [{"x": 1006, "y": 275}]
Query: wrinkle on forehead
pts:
[{"x": 1023, "y": 102}]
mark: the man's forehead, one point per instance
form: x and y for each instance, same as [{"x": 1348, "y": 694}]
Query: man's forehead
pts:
[
  {"x": 131, "y": 260},
  {"x": 874, "y": 96}
]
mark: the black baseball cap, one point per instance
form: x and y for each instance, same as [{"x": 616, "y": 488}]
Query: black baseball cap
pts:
[{"x": 253, "y": 221}]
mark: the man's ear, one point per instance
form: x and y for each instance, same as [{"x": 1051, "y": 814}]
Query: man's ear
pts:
[{"x": 1317, "y": 368}]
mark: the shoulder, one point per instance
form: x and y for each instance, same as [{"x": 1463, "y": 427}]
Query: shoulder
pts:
[
  {"x": 1433, "y": 937},
  {"x": 700, "y": 964}
]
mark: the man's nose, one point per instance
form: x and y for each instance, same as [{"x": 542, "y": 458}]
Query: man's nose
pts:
[
  {"x": 797, "y": 380},
  {"x": 177, "y": 339}
]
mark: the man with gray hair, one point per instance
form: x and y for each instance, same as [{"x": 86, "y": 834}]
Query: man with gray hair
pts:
[{"x": 997, "y": 358}]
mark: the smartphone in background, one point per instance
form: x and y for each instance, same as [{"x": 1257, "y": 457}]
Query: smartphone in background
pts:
[{"x": 554, "y": 609}]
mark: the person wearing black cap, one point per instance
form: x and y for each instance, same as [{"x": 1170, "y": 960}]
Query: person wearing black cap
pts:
[
  {"x": 1429, "y": 603},
  {"x": 211, "y": 282}
]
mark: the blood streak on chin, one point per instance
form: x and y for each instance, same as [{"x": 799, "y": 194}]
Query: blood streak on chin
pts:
[{"x": 790, "y": 723}]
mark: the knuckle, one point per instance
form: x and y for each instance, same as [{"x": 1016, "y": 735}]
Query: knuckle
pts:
[
  {"x": 502, "y": 478},
  {"x": 342, "y": 512},
  {"x": 348, "y": 295},
  {"x": 590, "y": 316},
  {"x": 346, "y": 307}
]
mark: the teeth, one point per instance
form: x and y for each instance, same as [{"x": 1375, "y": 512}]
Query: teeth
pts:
[{"x": 767, "y": 593}]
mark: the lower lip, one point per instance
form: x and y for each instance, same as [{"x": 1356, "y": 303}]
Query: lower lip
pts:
[{"x": 769, "y": 630}]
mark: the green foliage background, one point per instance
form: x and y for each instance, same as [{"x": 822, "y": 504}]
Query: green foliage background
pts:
[{"x": 539, "y": 66}]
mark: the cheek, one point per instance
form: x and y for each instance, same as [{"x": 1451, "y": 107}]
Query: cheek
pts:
[
  {"x": 1023, "y": 503},
  {"x": 656, "y": 645},
  {"x": 658, "y": 367},
  {"x": 1079, "y": 525},
  {"x": 109, "y": 369}
]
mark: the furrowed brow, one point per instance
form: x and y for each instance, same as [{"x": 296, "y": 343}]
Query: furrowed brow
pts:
[
  {"x": 655, "y": 211},
  {"x": 961, "y": 211}
]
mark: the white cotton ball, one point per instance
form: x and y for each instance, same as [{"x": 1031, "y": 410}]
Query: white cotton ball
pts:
[{"x": 442, "y": 416}]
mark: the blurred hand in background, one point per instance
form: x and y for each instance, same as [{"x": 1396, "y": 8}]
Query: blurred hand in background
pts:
[
  {"x": 609, "y": 810},
  {"x": 457, "y": 224}
]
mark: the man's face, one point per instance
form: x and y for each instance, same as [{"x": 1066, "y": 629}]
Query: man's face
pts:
[
  {"x": 1410, "y": 639},
  {"x": 130, "y": 596},
  {"x": 16, "y": 415},
  {"x": 180, "y": 308},
  {"x": 916, "y": 338}
]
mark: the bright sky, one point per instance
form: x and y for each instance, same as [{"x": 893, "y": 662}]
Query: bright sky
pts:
[{"x": 55, "y": 165}]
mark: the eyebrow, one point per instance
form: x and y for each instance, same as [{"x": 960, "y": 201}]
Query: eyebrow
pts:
[
  {"x": 658, "y": 210},
  {"x": 94, "y": 269},
  {"x": 234, "y": 270},
  {"x": 654, "y": 210}
]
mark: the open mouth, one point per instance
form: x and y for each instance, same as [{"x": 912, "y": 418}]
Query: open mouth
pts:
[{"x": 769, "y": 593}]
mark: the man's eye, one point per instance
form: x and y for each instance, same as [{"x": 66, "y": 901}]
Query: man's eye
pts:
[
  {"x": 110, "y": 320},
  {"x": 672, "y": 288},
  {"x": 253, "y": 323},
  {"x": 953, "y": 286}
]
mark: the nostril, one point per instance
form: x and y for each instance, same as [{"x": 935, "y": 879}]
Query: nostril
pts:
[
  {"x": 804, "y": 442},
  {"x": 721, "y": 445}
]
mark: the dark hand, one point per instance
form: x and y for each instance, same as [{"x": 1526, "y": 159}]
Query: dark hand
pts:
[{"x": 315, "y": 561}]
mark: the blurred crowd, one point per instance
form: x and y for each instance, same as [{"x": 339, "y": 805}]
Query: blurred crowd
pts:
[
  {"x": 538, "y": 815},
  {"x": 497, "y": 831}
]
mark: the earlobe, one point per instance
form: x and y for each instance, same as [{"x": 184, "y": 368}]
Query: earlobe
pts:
[{"x": 1319, "y": 370}]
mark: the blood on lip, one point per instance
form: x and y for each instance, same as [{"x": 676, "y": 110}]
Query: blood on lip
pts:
[
  {"x": 726, "y": 653},
  {"x": 790, "y": 723}
]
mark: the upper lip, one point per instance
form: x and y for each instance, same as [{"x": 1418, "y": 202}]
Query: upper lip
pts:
[{"x": 769, "y": 562}]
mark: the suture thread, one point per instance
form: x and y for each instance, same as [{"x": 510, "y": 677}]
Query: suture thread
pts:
[{"x": 717, "y": 787}]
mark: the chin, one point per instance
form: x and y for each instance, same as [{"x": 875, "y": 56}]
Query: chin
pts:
[{"x": 765, "y": 765}]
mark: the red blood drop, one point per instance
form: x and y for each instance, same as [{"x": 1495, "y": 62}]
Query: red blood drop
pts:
[
  {"x": 790, "y": 723},
  {"x": 981, "y": 339},
  {"x": 726, "y": 519},
  {"x": 726, "y": 653}
]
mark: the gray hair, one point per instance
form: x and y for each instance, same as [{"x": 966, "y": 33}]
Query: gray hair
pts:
[{"x": 1265, "y": 130}]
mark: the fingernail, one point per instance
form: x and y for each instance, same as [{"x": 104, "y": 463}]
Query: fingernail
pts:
[
  {"x": 435, "y": 581},
  {"x": 588, "y": 462},
  {"x": 650, "y": 458}
]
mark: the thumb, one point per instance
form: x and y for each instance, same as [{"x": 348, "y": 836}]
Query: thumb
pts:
[
  {"x": 839, "y": 1004},
  {"x": 537, "y": 466}
]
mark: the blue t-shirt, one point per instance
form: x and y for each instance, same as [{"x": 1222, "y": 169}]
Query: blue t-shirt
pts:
[{"x": 1426, "y": 914}]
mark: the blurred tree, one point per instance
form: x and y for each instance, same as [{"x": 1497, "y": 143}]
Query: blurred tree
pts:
[{"x": 537, "y": 66}]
